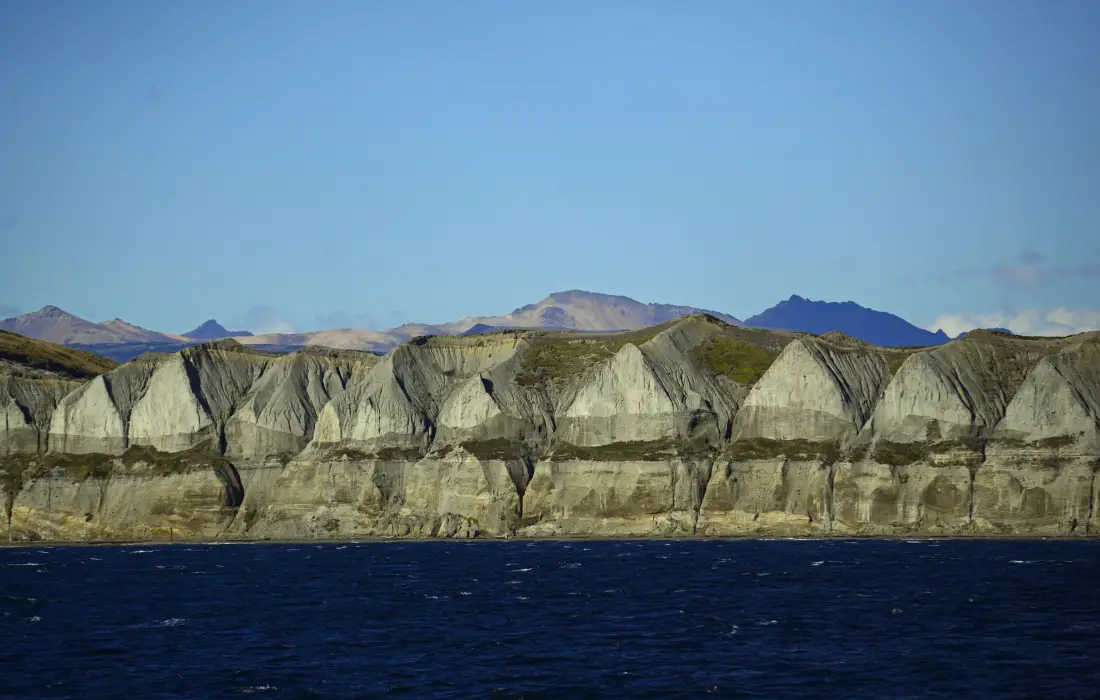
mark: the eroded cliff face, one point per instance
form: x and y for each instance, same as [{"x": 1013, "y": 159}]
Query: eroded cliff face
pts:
[
  {"x": 147, "y": 450},
  {"x": 691, "y": 428},
  {"x": 27, "y": 402},
  {"x": 278, "y": 413},
  {"x": 143, "y": 494}
]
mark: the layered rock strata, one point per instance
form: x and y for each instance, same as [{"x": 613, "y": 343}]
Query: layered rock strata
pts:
[{"x": 694, "y": 427}]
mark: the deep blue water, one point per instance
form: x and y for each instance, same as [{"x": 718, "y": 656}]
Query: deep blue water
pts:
[{"x": 768, "y": 619}]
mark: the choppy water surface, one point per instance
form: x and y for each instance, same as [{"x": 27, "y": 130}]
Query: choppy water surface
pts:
[{"x": 884, "y": 619}]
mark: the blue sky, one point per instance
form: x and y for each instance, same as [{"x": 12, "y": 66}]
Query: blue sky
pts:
[{"x": 304, "y": 164}]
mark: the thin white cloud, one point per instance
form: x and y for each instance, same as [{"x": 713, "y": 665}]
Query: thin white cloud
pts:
[
  {"x": 343, "y": 319},
  {"x": 1022, "y": 275},
  {"x": 1049, "y": 322},
  {"x": 264, "y": 319},
  {"x": 1029, "y": 272},
  {"x": 8, "y": 311}
]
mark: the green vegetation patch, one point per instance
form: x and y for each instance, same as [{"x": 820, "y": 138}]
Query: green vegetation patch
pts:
[
  {"x": 14, "y": 469},
  {"x": 859, "y": 452},
  {"x": 11, "y": 471},
  {"x": 40, "y": 355},
  {"x": 398, "y": 454},
  {"x": 168, "y": 463},
  {"x": 746, "y": 449},
  {"x": 77, "y": 467},
  {"x": 1052, "y": 443},
  {"x": 894, "y": 362},
  {"x": 740, "y": 360},
  {"x": 631, "y": 451},
  {"x": 495, "y": 449},
  {"x": 561, "y": 359},
  {"x": 1055, "y": 443},
  {"x": 382, "y": 454},
  {"x": 1053, "y": 462},
  {"x": 901, "y": 454},
  {"x": 283, "y": 458},
  {"x": 349, "y": 454}
]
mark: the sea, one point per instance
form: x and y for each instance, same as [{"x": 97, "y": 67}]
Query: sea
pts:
[{"x": 553, "y": 619}]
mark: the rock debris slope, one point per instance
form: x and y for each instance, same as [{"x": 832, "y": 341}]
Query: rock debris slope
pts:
[{"x": 692, "y": 427}]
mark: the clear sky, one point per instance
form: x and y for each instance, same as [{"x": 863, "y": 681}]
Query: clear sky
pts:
[{"x": 315, "y": 164}]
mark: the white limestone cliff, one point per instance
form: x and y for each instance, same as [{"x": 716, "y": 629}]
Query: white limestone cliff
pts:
[
  {"x": 542, "y": 434},
  {"x": 815, "y": 390}
]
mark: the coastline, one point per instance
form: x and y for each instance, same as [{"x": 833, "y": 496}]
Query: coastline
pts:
[{"x": 579, "y": 538}]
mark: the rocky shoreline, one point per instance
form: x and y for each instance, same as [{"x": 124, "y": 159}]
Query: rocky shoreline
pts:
[{"x": 746, "y": 537}]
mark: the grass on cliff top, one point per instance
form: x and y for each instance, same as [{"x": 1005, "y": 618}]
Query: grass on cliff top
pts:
[
  {"x": 990, "y": 335},
  {"x": 1004, "y": 361},
  {"x": 226, "y": 345},
  {"x": 50, "y": 357},
  {"x": 560, "y": 359},
  {"x": 740, "y": 360},
  {"x": 895, "y": 359}
]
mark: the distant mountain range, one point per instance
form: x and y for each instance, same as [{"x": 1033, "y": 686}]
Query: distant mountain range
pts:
[
  {"x": 571, "y": 310},
  {"x": 115, "y": 339},
  {"x": 57, "y": 326},
  {"x": 588, "y": 311},
  {"x": 820, "y": 317}
]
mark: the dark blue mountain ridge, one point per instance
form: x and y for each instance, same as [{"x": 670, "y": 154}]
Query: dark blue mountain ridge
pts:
[
  {"x": 820, "y": 317},
  {"x": 212, "y": 330}
]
